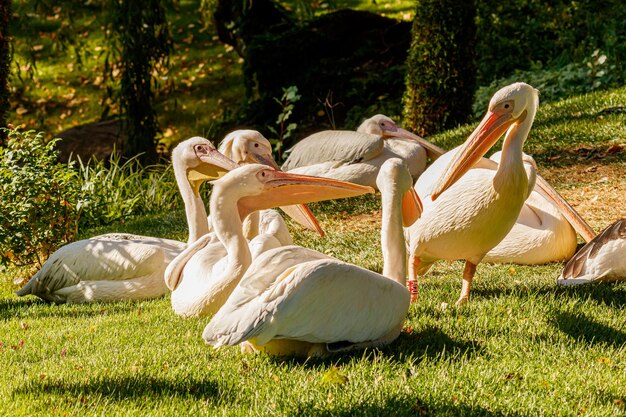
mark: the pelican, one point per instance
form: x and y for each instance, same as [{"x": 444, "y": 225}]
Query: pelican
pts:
[
  {"x": 124, "y": 266},
  {"x": 465, "y": 216},
  {"x": 296, "y": 301},
  {"x": 543, "y": 231},
  {"x": 246, "y": 146},
  {"x": 357, "y": 156},
  {"x": 201, "y": 277},
  {"x": 603, "y": 259}
]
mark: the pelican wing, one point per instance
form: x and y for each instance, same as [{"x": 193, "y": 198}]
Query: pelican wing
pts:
[
  {"x": 322, "y": 301},
  {"x": 343, "y": 146},
  {"x": 575, "y": 268}
]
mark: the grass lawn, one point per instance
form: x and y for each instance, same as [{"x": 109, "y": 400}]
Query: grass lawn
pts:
[{"x": 521, "y": 347}]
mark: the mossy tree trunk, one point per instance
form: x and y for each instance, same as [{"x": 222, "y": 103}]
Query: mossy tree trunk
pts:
[
  {"x": 441, "y": 70},
  {"x": 143, "y": 40},
  {"x": 5, "y": 62}
]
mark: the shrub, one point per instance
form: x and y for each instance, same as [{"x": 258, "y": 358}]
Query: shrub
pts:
[
  {"x": 441, "y": 74},
  {"x": 38, "y": 203}
]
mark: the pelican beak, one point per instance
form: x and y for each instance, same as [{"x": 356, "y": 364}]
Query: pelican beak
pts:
[
  {"x": 570, "y": 214},
  {"x": 433, "y": 151},
  {"x": 265, "y": 160},
  {"x": 299, "y": 213},
  {"x": 412, "y": 207},
  {"x": 479, "y": 142},
  {"x": 285, "y": 189},
  {"x": 302, "y": 214},
  {"x": 214, "y": 165}
]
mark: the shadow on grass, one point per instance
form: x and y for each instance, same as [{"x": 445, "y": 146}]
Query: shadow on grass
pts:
[
  {"x": 34, "y": 308},
  {"x": 128, "y": 388},
  {"x": 402, "y": 407},
  {"x": 430, "y": 343},
  {"x": 582, "y": 328},
  {"x": 609, "y": 294}
]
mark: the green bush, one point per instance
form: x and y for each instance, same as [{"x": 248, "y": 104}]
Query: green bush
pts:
[
  {"x": 38, "y": 203},
  {"x": 521, "y": 34},
  {"x": 441, "y": 74}
]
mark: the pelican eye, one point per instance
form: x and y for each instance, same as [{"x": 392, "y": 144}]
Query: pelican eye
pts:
[
  {"x": 507, "y": 105},
  {"x": 256, "y": 145}
]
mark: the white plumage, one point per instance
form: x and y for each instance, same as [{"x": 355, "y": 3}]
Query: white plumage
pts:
[
  {"x": 203, "y": 276},
  {"x": 296, "y": 301},
  {"x": 357, "y": 156},
  {"x": 129, "y": 267},
  {"x": 469, "y": 211}
]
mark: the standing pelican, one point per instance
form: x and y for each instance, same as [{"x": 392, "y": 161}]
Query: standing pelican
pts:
[
  {"x": 545, "y": 230},
  {"x": 251, "y": 147},
  {"x": 128, "y": 267},
  {"x": 200, "y": 280},
  {"x": 465, "y": 216},
  {"x": 295, "y": 301},
  {"x": 602, "y": 260},
  {"x": 357, "y": 156}
]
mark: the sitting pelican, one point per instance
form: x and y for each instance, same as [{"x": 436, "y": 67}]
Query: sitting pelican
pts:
[
  {"x": 543, "y": 231},
  {"x": 203, "y": 276},
  {"x": 128, "y": 267},
  {"x": 357, "y": 156},
  {"x": 296, "y": 301},
  {"x": 602, "y": 260},
  {"x": 465, "y": 216}
]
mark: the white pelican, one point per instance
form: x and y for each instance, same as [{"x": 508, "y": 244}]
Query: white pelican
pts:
[
  {"x": 296, "y": 301},
  {"x": 357, "y": 156},
  {"x": 201, "y": 277},
  {"x": 542, "y": 232},
  {"x": 602, "y": 260},
  {"x": 129, "y": 267},
  {"x": 251, "y": 147},
  {"x": 465, "y": 216}
]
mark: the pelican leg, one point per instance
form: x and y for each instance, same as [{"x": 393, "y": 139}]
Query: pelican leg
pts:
[
  {"x": 468, "y": 276},
  {"x": 412, "y": 284}
]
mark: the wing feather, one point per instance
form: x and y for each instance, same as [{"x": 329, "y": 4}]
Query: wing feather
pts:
[{"x": 342, "y": 146}]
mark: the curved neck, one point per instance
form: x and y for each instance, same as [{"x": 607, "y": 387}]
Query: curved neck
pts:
[
  {"x": 392, "y": 236},
  {"x": 195, "y": 212},
  {"x": 511, "y": 159},
  {"x": 229, "y": 230}
]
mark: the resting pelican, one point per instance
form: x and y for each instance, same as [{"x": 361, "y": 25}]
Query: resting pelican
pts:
[
  {"x": 603, "y": 259},
  {"x": 246, "y": 146},
  {"x": 542, "y": 232},
  {"x": 295, "y": 301},
  {"x": 201, "y": 280},
  {"x": 357, "y": 156},
  {"x": 465, "y": 216},
  {"x": 129, "y": 267}
]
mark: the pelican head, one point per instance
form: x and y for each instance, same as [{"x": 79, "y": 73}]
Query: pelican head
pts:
[
  {"x": 258, "y": 187},
  {"x": 248, "y": 146},
  {"x": 383, "y": 126},
  {"x": 509, "y": 107},
  {"x": 198, "y": 159}
]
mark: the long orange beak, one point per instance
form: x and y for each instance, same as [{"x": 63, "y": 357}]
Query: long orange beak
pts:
[
  {"x": 284, "y": 189},
  {"x": 570, "y": 214},
  {"x": 433, "y": 151},
  {"x": 479, "y": 142},
  {"x": 300, "y": 213}
]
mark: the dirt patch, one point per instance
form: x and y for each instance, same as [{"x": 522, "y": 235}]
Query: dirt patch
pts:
[{"x": 597, "y": 191}]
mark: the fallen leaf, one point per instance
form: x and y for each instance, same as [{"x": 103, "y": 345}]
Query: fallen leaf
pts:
[
  {"x": 24, "y": 325},
  {"x": 63, "y": 352},
  {"x": 604, "y": 360},
  {"x": 37, "y": 48},
  {"x": 334, "y": 376}
]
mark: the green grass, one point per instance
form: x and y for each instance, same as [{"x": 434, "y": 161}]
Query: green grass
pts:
[{"x": 521, "y": 347}]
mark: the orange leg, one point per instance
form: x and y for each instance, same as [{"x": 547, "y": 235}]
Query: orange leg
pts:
[
  {"x": 468, "y": 276},
  {"x": 412, "y": 284}
]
